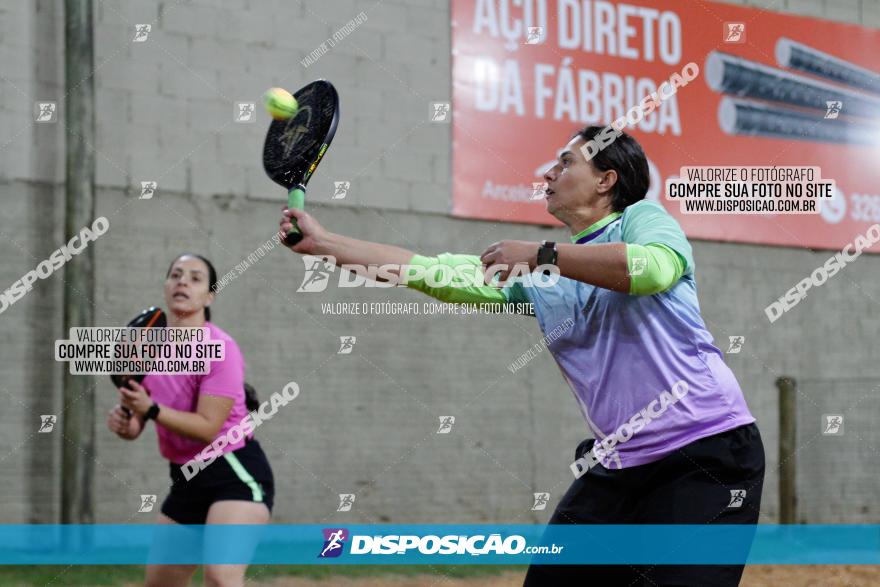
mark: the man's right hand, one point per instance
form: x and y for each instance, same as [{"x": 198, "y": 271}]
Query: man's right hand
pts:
[
  {"x": 343, "y": 250},
  {"x": 314, "y": 235}
]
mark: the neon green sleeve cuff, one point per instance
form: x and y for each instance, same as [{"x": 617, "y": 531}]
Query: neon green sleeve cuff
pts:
[
  {"x": 653, "y": 268},
  {"x": 457, "y": 283}
]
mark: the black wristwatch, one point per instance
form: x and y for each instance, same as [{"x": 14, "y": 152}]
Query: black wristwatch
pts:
[
  {"x": 152, "y": 412},
  {"x": 547, "y": 255}
]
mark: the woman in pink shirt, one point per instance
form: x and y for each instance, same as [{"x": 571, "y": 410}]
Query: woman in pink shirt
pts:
[{"x": 190, "y": 412}]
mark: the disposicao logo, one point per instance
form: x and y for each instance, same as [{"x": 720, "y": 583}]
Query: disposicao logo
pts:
[{"x": 334, "y": 542}]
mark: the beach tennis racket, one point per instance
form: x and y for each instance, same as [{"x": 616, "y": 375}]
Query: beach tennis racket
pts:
[
  {"x": 295, "y": 146},
  {"x": 150, "y": 318}
]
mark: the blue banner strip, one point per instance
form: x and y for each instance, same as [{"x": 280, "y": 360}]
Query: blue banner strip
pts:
[{"x": 438, "y": 544}]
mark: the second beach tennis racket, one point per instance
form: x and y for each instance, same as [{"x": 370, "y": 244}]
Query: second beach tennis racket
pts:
[
  {"x": 294, "y": 147},
  {"x": 150, "y": 318}
]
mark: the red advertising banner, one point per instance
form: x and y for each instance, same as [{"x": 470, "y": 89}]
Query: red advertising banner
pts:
[{"x": 771, "y": 90}]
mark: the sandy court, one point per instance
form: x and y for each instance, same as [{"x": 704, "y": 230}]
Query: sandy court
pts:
[{"x": 756, "y": 576}]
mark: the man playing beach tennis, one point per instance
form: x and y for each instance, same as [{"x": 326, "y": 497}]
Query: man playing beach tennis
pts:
[{"x": 673, "y": 440}]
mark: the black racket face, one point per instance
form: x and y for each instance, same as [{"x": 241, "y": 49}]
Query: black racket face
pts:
[
  {"x": 152, "y": 317},
  {"x": 294, "y": 147}
]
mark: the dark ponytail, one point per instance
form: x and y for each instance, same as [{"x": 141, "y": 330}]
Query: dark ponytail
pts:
[
  {"x": 212, "y": 276},
  {"x": 251, "y": 401}
]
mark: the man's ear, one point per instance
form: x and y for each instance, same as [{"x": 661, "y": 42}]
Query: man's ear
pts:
[{"x": 607, "y": 182}]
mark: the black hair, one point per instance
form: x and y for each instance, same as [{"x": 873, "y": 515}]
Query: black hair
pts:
[
  {"x": 212, "y": 276},
  {"x": 251, "y": 400},
  {"x": 625, "y": 156}
]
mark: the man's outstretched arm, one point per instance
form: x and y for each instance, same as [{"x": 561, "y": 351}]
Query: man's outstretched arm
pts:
[{"x": 350, "y": 251}]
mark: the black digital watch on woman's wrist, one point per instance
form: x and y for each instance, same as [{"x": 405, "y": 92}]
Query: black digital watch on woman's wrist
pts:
[
  {"x": 547, "y": 255},
  {"x": 152, "y": 413}
]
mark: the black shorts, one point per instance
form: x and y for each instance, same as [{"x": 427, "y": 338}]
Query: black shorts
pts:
[
  {"x": 693, "y": 485},
  {"x": 242, "y": 475}
]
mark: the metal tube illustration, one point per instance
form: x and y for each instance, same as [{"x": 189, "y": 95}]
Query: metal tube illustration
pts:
[
  {"x": 747, "y": 118},
  {"x": 794, "y": 55},
  {"x": 747, "y": 79}
]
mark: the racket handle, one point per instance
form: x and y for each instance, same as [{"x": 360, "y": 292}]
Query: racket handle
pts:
[{"x": 296, "y": 198}]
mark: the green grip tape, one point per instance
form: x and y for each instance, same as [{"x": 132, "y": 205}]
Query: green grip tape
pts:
[{"x": 296, "y": 198}]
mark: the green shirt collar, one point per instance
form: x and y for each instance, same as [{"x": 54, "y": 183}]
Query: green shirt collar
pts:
[{"x": 593, "y": 228}]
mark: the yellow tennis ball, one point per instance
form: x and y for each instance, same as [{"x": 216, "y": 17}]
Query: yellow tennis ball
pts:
[{"x": 280, "y": 104}]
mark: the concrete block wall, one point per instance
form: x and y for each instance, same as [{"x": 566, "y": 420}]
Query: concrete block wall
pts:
[{"x": 366, "y": 422}]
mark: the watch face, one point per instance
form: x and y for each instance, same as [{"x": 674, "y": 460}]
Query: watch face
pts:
[{"x": 546, "y": 254}]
